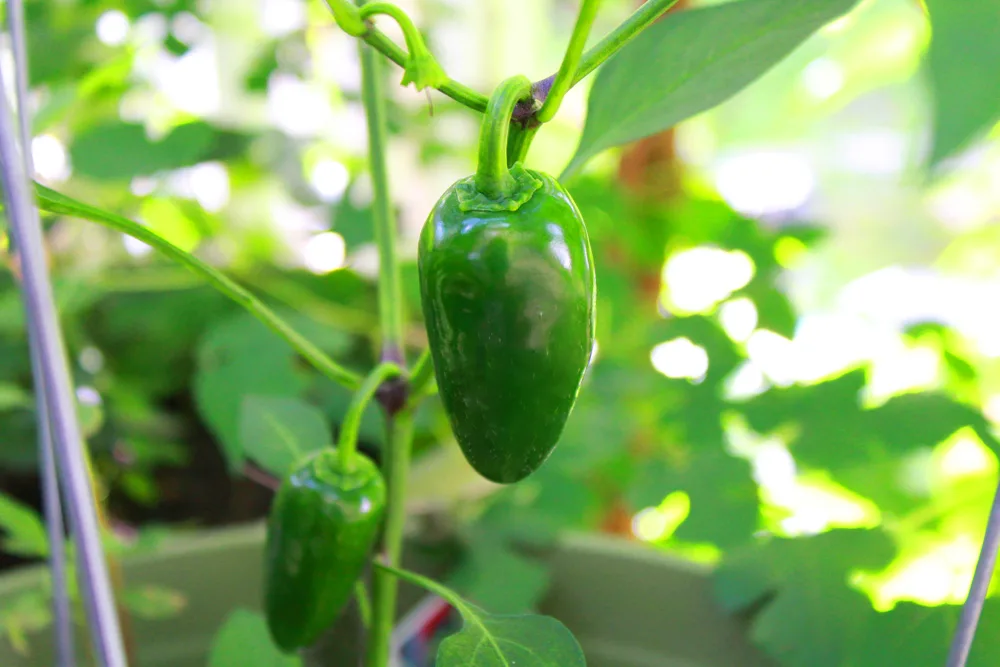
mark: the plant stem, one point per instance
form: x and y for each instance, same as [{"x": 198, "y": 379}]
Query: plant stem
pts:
[
  {"x": 571, "y": 61},
  {"x": 397, "y": 465},
  {"x": 379, "y": 41},
  {"x": 414, "y": 41},
  {"x": 347, "y": 443},
  {"x": 421, "y": 375},
  {"x": 390, "y": 297},
  {"x": 630, "y": 28},
  {"x": 613, "y": 42},
  {"x": 493, "y": 177},
  {"x": 54, "y": 202}
]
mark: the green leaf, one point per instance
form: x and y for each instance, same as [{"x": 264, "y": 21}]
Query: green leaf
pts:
[
  {"x": 962, "y": 62},
  {"x": 918, "y": 636},
  {"x": 277, "y": 431},
  {"x": 25, "y": 532},
  {"x": 509, "y": 641},
  {"x": 13, "y": 396},
  {"x": 244, "y": 641},
  {"x": 831, "y": 429},
  {"x": 691, "y": 61},
  {"x": 121, "y": 150},
  {"x": 809, "y": 615},
  {"x": 925, "y": 419},
  {"x": 154, "y": 602},
  {"x": 25, "y": 615},
  {"x": 723, "y": 495},
  {"x": 488, "y": 640},
  {"x": 495, "y": 576},
  {"x": 237, "y": 357}
]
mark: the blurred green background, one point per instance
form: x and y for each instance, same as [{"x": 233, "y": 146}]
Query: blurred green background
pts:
[{"x": 797, "y": 373}]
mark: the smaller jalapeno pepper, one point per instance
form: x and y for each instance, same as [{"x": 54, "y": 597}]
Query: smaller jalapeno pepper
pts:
[{"x": 321, "y": 529}]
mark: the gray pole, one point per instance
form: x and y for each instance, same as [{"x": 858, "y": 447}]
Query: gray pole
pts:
[{"x": 43, "y": 330}]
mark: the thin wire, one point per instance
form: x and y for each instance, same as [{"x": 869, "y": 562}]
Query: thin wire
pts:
[
  {"x": 50, "y": 480},
  {"x": 965, "y": 632},
  {"x": 43, "y": 329}
]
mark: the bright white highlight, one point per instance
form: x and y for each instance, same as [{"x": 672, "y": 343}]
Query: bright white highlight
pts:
[
  {"x": 680, "y": 358},
  {"x": 112, "y": 27},
  {"x": 325, "y": 252}
]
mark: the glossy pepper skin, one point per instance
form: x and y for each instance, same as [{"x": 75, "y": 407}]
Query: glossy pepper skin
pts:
[
  {"x": 322, "y": 526},
  {"x": 508, "y": 299}
]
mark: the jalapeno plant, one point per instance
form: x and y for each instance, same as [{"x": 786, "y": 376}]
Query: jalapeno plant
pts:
[{"x": 507, "y": 285}]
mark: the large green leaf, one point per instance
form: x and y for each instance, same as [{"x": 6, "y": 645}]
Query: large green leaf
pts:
[
  {"x": 244, "y": 641},
  {"x": 237, "y": 357},
  {"x": 692, "y": 61},
  {"x": 963, "y": 61},
  {"x": 809, "y": 616},
  {"x": 277, "y": 431},
  {"x": 121, "y": 150}
]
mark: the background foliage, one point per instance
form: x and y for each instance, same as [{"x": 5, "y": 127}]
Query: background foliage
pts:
[{"x": 797, "y": 375}]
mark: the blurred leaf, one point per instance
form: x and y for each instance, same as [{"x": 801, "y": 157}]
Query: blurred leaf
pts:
[
  {"x": 23, "y": 528},
  {"x": 276, "y": 432},
  {"x": 24, "y": 615},
  {"x": 260, "y": 71},
  {"x": 919, "y": 636},
  {"x": 830, "y": 429},
  {"x": 774, "y": 310},
  {"x": 13, "y": 396},
  {"x": 963, "y": 59},
  {"x": 723, "y": 495},
  {"x": 809, "y": 616},
  {"x": 153, "y": 602},
  {"x": 691, "y": 61},
  {"x": 166, "y": 218},
  {"x": 154, "y": 334},
  {"x": 352, "y": 221},
  {"x": 120, "y": 151},
  {"x": 238, "y": 357},
  {"x": 914, "y": 420},
  {"x": 493, "y": 575},
  {"x": 244, "y": 641}
]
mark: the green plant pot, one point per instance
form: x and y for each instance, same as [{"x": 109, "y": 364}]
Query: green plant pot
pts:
[{"x": 629, "y": 606}]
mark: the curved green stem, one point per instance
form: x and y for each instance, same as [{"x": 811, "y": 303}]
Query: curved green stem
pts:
[
  {"x": 54, "y": 202},
  {"x": 347, "y": 443},
  {"x": 493, "y": 177},
  {"x": 345, "y": 13},
  {"x": 390, "y": 293},
  {"x": 383, "y": 583},
  {"x": 422, "y": 70},
  {"x": 431, "y": 586},
  {"x": 571, "y": 61},
  {"x": 422, "y": 377},
  {"x": 517, "y": 150},
  {"x": 630, "y": 28}
]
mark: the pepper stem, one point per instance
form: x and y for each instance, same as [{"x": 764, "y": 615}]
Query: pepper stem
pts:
[
  {"x": 347, "y": 443},
  {"x": 493, "y": 177}
]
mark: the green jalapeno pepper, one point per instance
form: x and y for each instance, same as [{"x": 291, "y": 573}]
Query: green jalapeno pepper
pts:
[
  {"x": 323, "y": 524},
  {"x": 508, "y": 293}
]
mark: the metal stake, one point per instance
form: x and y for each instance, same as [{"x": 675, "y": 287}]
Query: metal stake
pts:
[
  {"x": 43, "y": 330},
  {"x": 965, "y": 632},
  {"x": 52, "y": 501}
]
